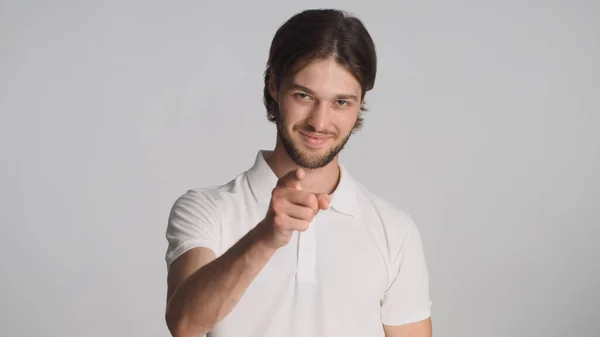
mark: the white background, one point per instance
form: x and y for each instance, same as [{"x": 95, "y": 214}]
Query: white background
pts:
[{"x": 482, "y": 125}]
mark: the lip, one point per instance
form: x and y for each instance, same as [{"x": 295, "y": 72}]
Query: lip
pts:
[{"x": 314, "y": 141}]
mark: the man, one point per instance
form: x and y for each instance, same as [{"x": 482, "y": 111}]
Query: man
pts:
[{"x": 294, "y": 246}]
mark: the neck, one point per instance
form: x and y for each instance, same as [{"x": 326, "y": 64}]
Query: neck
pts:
[{"x": 320, "y": 180}]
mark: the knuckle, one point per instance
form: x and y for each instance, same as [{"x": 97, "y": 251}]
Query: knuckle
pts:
[
  {"x": 304, "y": 225},
  {"x": 277, "y": 203},
  {"x": 313, "y": 201},
  {"x": 278, "y": 220},
  {"x": 276, "y": 192},
  {"x": 309, "y": 213}
]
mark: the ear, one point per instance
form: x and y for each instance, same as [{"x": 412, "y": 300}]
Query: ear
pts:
[{"x": 272, "y": 87}]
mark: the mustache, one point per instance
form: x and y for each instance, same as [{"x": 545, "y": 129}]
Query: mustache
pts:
[{"x": 310, "y": 129}]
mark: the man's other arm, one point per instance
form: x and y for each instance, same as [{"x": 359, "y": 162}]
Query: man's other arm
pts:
[{"x": 417, "y": 329}]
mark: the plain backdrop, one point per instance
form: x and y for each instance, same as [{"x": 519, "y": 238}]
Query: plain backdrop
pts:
[{"x": 483, "y": 125}]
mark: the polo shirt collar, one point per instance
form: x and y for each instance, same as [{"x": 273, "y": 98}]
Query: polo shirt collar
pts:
[{"x": 262, "y": 180}]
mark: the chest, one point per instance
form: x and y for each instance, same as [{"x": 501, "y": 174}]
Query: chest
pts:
[
  {"x": 327, "y": 280},
  {"x": 335, "y": 258}
]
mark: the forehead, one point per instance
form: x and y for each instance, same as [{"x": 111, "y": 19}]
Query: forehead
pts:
[{"x": 327, "y": 77}]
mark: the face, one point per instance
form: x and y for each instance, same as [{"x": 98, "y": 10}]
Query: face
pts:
[{"x": 318, "y": 109}]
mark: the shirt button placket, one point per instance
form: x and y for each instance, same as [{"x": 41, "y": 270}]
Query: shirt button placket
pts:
[{"x": 307, "y": 253}]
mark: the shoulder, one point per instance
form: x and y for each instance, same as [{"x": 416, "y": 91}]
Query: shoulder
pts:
[
  {"x": 214, "y": 194},
  {"x": 393, "y": 229},
  {"x": 208, "y": 199},
  {"x": 395, "y": 222},
  {"x": 385, "y": 210}
]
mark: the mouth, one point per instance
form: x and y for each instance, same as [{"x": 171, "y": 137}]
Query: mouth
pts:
[{"x": 314, "y": 140}]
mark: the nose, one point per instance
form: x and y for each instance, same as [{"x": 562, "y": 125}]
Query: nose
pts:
[{"x": 319, "y": 117}]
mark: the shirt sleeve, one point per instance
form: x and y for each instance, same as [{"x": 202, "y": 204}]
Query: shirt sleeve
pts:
[
  {"x": 194, "y": 221},
  {"x": 407, "y": 298}
]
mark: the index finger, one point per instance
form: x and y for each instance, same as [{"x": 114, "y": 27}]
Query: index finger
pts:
[{"x": 291, "y": 179}]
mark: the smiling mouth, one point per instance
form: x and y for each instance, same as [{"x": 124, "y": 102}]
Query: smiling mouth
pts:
[
  {"x": 314, "y": 136},
  {"x": 314, "y": 140}
]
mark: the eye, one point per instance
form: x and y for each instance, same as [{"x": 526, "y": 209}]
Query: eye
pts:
[
  {"x": 342, "y": 102},
  {"x": 301, "y": 95}
]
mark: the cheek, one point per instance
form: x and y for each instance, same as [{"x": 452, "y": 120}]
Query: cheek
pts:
[
  {"x": 293, "y": 112},
  {"x": 346, "y": 121}
]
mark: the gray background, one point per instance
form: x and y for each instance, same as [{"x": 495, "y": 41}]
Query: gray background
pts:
[{"x": 483, "y": 126}]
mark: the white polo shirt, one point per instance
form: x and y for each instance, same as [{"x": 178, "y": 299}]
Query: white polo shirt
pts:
[{"x": 358, "y": 266}]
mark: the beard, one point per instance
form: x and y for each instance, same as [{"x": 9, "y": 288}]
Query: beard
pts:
[{"x": 303, "y": 159}]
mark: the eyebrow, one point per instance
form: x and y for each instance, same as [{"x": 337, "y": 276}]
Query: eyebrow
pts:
[{"x": 339, "y": 96}]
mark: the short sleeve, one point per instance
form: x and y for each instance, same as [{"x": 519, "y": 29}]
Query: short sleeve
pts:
[
  {"x": 194, "y": 221},
  {"x": 407, "y": 298}
]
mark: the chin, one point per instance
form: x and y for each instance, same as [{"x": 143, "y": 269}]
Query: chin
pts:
[
  {"x": 313, "y": 158},
  {"x": 306, "y": 155}
]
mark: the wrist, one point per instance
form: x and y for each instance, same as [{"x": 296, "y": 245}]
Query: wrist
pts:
[{"x": 261, "y": 243}]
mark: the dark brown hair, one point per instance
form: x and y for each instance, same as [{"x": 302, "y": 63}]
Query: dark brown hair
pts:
[{"x": 320, "y": 34}]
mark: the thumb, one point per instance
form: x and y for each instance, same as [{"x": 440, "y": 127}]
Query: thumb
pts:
[{"x": 324, "y": 200}]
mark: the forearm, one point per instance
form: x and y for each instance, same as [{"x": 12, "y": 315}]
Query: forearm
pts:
[{"x": 209, "y": 294}]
